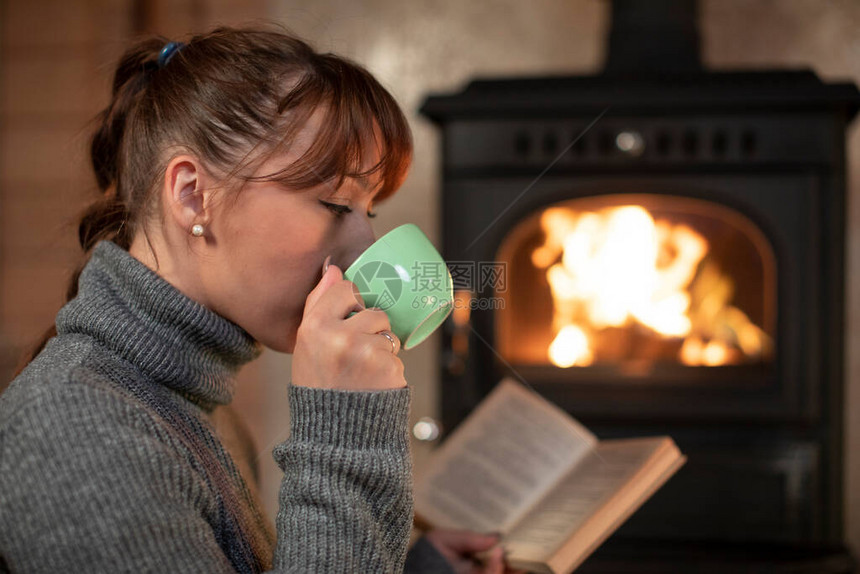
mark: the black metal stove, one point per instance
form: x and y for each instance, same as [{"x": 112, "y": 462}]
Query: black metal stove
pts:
[{"x": 741, "y": 175}]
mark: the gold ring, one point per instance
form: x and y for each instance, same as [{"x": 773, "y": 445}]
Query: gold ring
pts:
[{"x": 390, "y": 338}]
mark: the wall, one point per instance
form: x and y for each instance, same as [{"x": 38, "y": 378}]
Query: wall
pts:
[{"x": 55, "y": 72}]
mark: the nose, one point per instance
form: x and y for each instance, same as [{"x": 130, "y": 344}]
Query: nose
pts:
[{"x": 359, "y": 243}]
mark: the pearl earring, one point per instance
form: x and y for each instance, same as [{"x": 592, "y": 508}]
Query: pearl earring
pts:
[{"x": 197, "y": 230}]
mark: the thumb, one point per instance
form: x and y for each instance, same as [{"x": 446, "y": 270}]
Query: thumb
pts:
[
  {"x": 468, "y": 542},
  {"x": 332, "y": 275}
]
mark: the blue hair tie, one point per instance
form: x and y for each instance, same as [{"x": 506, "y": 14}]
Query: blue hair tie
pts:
[{"x": 167, "y": 52}]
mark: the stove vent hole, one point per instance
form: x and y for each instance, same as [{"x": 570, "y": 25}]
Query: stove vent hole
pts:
[
  {"x": 550, "y": 144},
  {"x": 719, "y": 143},
  {"x": 580, "y": 146},
  {"x": 605, "y": 143},
  {"x": 664, "y": 144},
  {"x": 522, "y": 144},
  {"x": 748, "y": 143},
  {"x": 690, "y": 143}
]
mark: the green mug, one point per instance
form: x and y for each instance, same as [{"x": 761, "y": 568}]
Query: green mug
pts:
[{"x": 403, "y": 274}]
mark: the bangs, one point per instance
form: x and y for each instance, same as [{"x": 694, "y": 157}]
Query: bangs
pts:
[{"x": 359, "y": 114}]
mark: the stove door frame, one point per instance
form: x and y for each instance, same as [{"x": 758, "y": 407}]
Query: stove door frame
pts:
[{"x": 788, "y": 208}]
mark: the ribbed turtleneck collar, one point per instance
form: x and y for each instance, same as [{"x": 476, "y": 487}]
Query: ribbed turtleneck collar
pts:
[{"x": 172, "y": 339}]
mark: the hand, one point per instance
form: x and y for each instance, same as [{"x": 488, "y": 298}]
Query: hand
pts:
[
  {"x": 459, "y": 547},
  {"x": 335, "y": 351}
]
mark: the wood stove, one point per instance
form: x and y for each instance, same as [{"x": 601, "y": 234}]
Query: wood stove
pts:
[{"x": 671, "y": 246}]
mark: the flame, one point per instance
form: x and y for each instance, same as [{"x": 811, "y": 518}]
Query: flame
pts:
[
  {"x": 618, "y": 267},
  {"x": 570, "y": 347}
]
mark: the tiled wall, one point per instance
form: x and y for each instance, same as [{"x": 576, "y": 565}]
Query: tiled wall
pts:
[{"x": 50, "y": 87}]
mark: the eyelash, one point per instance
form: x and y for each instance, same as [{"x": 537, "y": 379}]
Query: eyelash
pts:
[{"x": 339, "y": 209}]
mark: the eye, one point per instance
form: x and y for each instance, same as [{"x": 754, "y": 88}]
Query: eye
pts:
[
  {"x": 336, "y": 208},
  {"x": 339, "y": 209}
]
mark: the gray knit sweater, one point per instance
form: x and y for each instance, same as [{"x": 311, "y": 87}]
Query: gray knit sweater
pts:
[{"x": 109, "y": 461}]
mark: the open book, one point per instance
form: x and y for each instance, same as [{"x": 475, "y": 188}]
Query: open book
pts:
[{"x": 521, "y": 466}]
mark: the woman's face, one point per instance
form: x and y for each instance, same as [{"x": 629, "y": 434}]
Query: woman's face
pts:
[{"x": 269, "y": 247}]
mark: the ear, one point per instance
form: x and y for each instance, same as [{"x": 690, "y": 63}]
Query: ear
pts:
[{"x": 186, "y": 193}]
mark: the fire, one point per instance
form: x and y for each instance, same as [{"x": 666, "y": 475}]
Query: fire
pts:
[
  {"x": 618, "y": 268},
  {"x": 570, "y": 347}
]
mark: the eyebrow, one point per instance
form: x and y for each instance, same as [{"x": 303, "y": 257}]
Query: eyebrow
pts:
[{"x": 364, "y": 181}]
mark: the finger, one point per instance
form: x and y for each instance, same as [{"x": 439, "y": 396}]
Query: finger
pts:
[
  {"x": 391, "y": 345},
  {"x": 357, "y": 293},
  {"x": 475, "y": 542},
  {"x": 339, "y": 300},
  {"x": 380, "y": 342},
  {"x": 332, "y": 275},
  {"x": 370, "y": 320},
  {"x": 467, "y": 541},
  {"x": 348, "y": 299}
]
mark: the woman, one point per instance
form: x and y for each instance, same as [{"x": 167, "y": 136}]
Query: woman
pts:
[{"x": 231, "y": 169}]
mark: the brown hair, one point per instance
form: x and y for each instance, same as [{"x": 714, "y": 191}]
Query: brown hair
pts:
[{"x": 223, "y": 96}]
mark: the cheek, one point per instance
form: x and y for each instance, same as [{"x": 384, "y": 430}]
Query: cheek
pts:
[
  {"x": 273, "y": 228},
  {"x": 276, "y": 250}
]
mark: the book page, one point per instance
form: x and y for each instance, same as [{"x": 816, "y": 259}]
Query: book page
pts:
[
  {"x": 603, "y": 524},
  {"x": 500, "y": 461},
  {"x": 579, "y": 495}
]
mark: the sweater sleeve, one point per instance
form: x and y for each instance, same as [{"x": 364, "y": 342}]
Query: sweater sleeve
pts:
[{"x": 346, "y": 496}]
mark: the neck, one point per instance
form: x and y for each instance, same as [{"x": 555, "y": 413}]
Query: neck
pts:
[{"x": 169, "y": 259}]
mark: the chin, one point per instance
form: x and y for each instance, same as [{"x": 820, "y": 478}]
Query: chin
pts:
[{"x": 281, "y": 345}]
